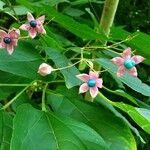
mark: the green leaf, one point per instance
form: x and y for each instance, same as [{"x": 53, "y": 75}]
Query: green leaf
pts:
[
  {"x": 118, "y": 33},
  {"x": 134, "y": 83},
  {"x": 23, "y": 62},
  {"x": 139, "y": 115},
  {"x": 61, "y": 61},
  {"x": 19, "y": 10},
  {"x": 37, "y": 130},
  {"x": 73, "y": 26},
  {"x": 5, "y": 130},
  {"x": 1, "y": 5},
  {"x": 51, "y": 42},
  {"x": 68, "y": 103},
  {"x": 103, "y": 101}
]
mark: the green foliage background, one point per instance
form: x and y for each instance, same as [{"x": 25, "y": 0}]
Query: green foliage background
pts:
[{"x": 118, "y": 119}]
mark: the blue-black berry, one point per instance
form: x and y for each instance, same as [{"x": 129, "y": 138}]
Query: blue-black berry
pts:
[
  {"x": 33, "y": 23},
  {"x": 7, "y": 40}
]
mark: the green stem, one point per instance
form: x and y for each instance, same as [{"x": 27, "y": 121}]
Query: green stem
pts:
[
  {"x": 108, "y": 15},
  {"x": 43, "y": 98},
  {"x": 11, "y": 101},
  {"x": 108, "y": 90},
  {"x": 66, "y": 67},
  {"x": 3, "y": 28},
  {"x": 24, "y": 37},
  {"x": 14, "y": 85}
]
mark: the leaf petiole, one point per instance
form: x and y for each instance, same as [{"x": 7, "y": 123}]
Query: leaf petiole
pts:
[
  {"x": 14, "y": 84},
  {"x": 43, "y": 97},
  {"x": 12, "y": 100}
]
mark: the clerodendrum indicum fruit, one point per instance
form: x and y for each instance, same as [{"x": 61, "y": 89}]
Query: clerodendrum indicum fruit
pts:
[
  {"x": 34, "y": 26},
  {"x": 9, "y": 40},
  {"x": 127, "y": 63}
]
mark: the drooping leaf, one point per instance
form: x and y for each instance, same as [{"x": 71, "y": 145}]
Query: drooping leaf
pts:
[
  {"x": 139, "y": 115},
  {"x": 37, "y": 130},
  {"x": 103, "y": 101},
  {"x": 134, "y": 83}
]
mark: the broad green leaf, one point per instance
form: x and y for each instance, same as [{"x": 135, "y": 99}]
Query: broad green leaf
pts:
[
  {"x": 134, "y": 83},
  {"x": 61, "y": 61},
  {"x": 5, "y": 130},
  {"x": 23, "y": 62},
  {"x": 55, "y": 40},
  {"x": 68, "y": 103},
  {"x": 139, "y": 115},
  {"x": 37, "y": 130}
]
